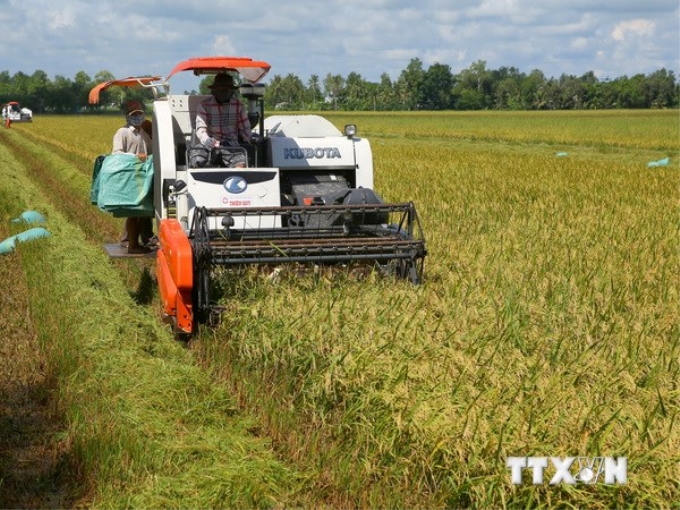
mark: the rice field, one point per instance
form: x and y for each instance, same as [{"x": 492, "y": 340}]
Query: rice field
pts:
[{"x": 547, "y": 324}]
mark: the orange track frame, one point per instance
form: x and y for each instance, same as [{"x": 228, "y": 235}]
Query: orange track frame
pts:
[{"x": 175, "y": 275}]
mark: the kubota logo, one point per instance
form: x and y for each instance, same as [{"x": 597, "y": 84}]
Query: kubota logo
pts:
[
  {"x": 309, "y": 153},
  {"x": 235, "y": 184}
]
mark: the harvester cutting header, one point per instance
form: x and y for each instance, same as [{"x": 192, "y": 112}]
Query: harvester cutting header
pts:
[{"x": 298, "y": 191}]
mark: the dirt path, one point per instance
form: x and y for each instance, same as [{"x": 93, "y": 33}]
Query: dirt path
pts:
[{"x": 30, "y": 451}]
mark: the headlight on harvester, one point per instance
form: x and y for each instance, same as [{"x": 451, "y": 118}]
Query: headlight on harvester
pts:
[
  {"x": 350, "y": 130},
  {"x": 228, "y": 222}
]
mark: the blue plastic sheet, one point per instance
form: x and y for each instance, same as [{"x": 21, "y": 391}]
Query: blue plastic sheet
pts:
[
  {"x": 29, "y": 217},
  {"x": 660, "y": 162},
  {"x": 123, "y": 185},
  {"x": 9, "y": 244}
]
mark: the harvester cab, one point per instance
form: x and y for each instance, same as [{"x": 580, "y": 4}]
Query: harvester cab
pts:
[{"x": 306, "y": 196}]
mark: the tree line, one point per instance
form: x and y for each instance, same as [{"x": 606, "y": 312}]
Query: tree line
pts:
[{"x": 416, "y": 88}]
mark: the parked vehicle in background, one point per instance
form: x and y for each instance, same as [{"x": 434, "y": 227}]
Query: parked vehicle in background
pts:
[{"x": 13, "y": 112}]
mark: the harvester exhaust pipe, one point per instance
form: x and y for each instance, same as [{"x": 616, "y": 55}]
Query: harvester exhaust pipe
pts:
[{"x": 254, "y": 94}]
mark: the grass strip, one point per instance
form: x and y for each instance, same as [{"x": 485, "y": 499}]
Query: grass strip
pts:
[{"x": 146, "y": 427}]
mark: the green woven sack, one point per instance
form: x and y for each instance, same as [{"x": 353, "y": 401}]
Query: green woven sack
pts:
[{"x": 126, "y": 185}]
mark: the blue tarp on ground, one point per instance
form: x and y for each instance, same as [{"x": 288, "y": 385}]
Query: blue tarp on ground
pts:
[
  {"x": 29, "y": 217},
  {"x": 660, "y": 162},
  {"x": 9, "y": 244}
]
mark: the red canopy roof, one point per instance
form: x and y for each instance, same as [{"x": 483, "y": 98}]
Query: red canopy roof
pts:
[{"x": 251, "y": 70}]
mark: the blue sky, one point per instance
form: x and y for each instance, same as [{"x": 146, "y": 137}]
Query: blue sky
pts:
[{"x": 371, "y": 37}]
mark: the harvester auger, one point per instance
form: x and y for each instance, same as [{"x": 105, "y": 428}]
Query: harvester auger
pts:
[{"x": 305, "y": 197}]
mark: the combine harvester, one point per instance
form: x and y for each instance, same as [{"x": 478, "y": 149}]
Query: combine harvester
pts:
[
  {"x": 13, "y": 112},
  {"x": 305, "y": 197}
]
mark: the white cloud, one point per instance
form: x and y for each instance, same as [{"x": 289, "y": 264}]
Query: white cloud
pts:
[
  {"x": 58, "y": 19},
  {"x": 579, "y": 43},
  {"x": 636, "y": 27},
  {"x": 401, "y": 54},
  {"x": 494, "y": 9},
  {"x": 222, "y": 45}
]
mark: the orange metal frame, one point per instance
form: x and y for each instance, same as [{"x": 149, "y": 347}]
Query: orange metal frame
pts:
[
  {"x": 175, "y": 274},
  {"x": 93, "y": 96}
]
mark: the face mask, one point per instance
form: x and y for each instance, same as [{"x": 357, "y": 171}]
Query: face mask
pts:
[
  {"x": 136, "y": 119},
  {"x": 222, "y": 96}
]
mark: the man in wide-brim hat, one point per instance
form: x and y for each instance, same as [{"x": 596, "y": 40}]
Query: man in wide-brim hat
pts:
[
  {"x": 223, "y": 81},
  {"x": 222, "y": 121}
]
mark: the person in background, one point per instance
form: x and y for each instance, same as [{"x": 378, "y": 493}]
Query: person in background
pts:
[
  {"x": 222, "y": 120},
  {"x": 133, "y": 138},
  {"x": 5, "y": 115}
]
